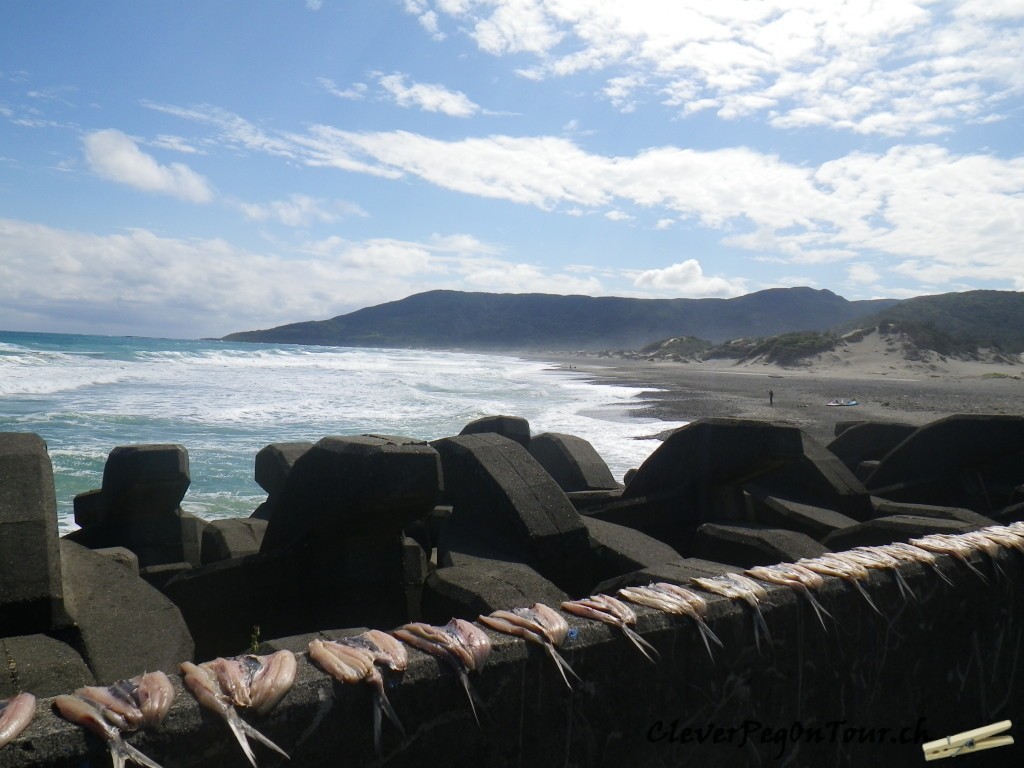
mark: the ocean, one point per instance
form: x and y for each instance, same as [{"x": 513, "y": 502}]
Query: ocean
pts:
[{"x": 85, "y": 395}]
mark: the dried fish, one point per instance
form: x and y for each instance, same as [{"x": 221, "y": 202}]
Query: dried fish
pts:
[
  {"x": 249, "y": 681},
  {"x": 848, "y": 570},
  {"x": 671, "y": 598},
  {"x": 464, "y": 646},
  {"x": 356, "y": 659},
  {"x": 15, "y": 715},
  {"x": 608, "y": 610},
  {"x": 93, "y": 717},
  {"x": 538, "y": 624},
  {"x": 736, "y": 586},
  {"x": 795, "y": 577}
]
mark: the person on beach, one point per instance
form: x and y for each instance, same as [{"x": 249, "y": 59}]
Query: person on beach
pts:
[{"x": 771, "y": 397}]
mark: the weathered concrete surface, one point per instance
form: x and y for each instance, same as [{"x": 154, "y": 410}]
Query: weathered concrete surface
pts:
[
  {"x": 862, "y": 693},
  {"x": 233, "y": 537},
  {"x": 513, "y": 427},
  {"x": 354, "y": 486},
  {"x": 31, "y": 596},
  {"x": 41, "y": 665},
  {"x": 963, "y": 461},
  {"x": 572, "y": 462},
  {"x": 121, "y": 623},
  {"x": 867, "y": 441},
  {"x": 749, "y": 545},
  {"x": 816, "y": 522},
  {"x": 504, "y": 501}
]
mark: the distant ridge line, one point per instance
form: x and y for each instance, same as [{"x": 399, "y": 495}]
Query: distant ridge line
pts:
[{"x": 445, "y": 319}]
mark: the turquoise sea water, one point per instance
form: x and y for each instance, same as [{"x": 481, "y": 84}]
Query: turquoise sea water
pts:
[{"x": 87, "y": 394}]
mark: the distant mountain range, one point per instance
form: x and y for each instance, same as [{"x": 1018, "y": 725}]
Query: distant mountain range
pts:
[{"x": 545, "y": 322}]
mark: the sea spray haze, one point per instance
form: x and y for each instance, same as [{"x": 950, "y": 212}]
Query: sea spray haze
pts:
[{"x": 87, "y": 394}]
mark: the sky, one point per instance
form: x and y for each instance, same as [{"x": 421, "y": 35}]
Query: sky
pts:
[{"x": 192, "y": 168}]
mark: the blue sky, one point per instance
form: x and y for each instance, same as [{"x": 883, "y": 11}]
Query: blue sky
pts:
[{"x": 194, "y": 168}]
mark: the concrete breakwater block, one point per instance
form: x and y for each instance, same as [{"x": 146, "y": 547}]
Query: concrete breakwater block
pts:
[
  {"x": 41, "y": 665},
  {"x": 697, "y": 475},
  {"x": 867, "y": 441},
  {"x": 480, "y": 586},
  {"x": 122, "y": 624},
  {"x": 503, "y": 498},
  {"x": 31, "y": 583},
  {"x": 274, "y": 463},
  {"x": 816, "y": 522},
  {"x": 354, "y": 486},
  {"x": 513, "y": 427},
  {"x": 820, "y": 479},
  {"x": 232, "y": 537},
  {"x": 572, "y": 462},
  {"x": 137, "y": 506},
  {"x": 885, "y": 530},
  {"x": 142, "y": 480},
  {"x": 963, "y": 461},
  {"x": 749, "y": 545}
]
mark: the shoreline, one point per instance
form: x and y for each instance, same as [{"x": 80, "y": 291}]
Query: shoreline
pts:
[{"x": 690, "y": 391}]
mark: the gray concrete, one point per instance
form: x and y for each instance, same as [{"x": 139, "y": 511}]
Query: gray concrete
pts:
[{"x": 811, "y": 698}]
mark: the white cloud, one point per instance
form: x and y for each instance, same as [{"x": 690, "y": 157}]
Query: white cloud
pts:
[
  {"x": 429, "y": 97},
  {"x": 664, "y": 223},
  {"x": 618, "y": 216},
  {"x": 894, "y": 68},
  {"x": 314, "y": 5},
  {"x": 355, "y": 92},
  {"x": 301, "y": 210},
  {"x": 920, "y": 202},
  {"x": 176, "y": 144},
  {"x": 115, "y": 156},
  {"x": 688, "y": 279},
  {"x": 862, "y": 273},
  {"x": 141, "y": 283}
]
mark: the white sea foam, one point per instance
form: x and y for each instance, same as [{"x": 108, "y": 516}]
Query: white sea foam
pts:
[{"x": 223, "y": 402}]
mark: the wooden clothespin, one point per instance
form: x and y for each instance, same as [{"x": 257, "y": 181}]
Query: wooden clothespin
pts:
[{"x": 968, "y": 741}]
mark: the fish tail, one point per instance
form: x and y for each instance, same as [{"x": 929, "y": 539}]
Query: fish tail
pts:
[
  {"x": 121, "y": 751},
  {"x": 471, "y": 694},
  {"x": 978, "y": 573},
  {"x": 818, "y": 608},
  {"x": 706, "y": 634},
  {"x": 644, "y": 647},
  {"x": 383, "y": 705},
  {"x": 238, "y": 728},
  {"x": 760, "y": 628},
  {"x": 941, "y": 575},
  {"x": 562, "y": 664},
  {"x": 376, "y": 725},
  {"x": 252, "y": 732},
  {"x": 905, "y": 590},
  {"x": 866, "y": 596}
]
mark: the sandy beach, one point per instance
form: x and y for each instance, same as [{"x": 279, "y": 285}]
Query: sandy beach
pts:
[{"x": 886, "y": 387}]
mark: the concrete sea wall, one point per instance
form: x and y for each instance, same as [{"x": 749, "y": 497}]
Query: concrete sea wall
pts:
[{"x": 376, "y": 531}]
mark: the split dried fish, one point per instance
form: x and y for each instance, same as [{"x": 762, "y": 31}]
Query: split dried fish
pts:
[
  {"x": 253, "y": 682},
  {"x": 92, "y": 716},
  {"x": 908, "y": 553},
  {"x": 357, "y": 659},
  {"x": 461, "y": 644},
  {"x": 736, "y": 586},
  {"x": 671, "y": 598},
  {"x": 15, "y": 715},
  {"x": 948, "y": 544},
  {"x": 848, "y": 570},
  {"x": 872, "y": 558},
  {"x": 608, "y": 610},
  {"x": 794, "y": 576},
  {"x": 537, "y": 624}
]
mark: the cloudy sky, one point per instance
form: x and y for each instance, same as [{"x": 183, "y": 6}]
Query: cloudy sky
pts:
[{"x": 197, "y": 167}]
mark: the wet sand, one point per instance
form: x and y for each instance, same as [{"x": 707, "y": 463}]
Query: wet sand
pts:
[{"x": 689, "y": 391}]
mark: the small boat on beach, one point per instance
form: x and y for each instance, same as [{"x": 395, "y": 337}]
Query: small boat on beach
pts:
[{"x": 842, "y": 401}]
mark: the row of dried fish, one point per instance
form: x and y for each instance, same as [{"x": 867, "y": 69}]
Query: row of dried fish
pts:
[{"x": 258, "y": 683}]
